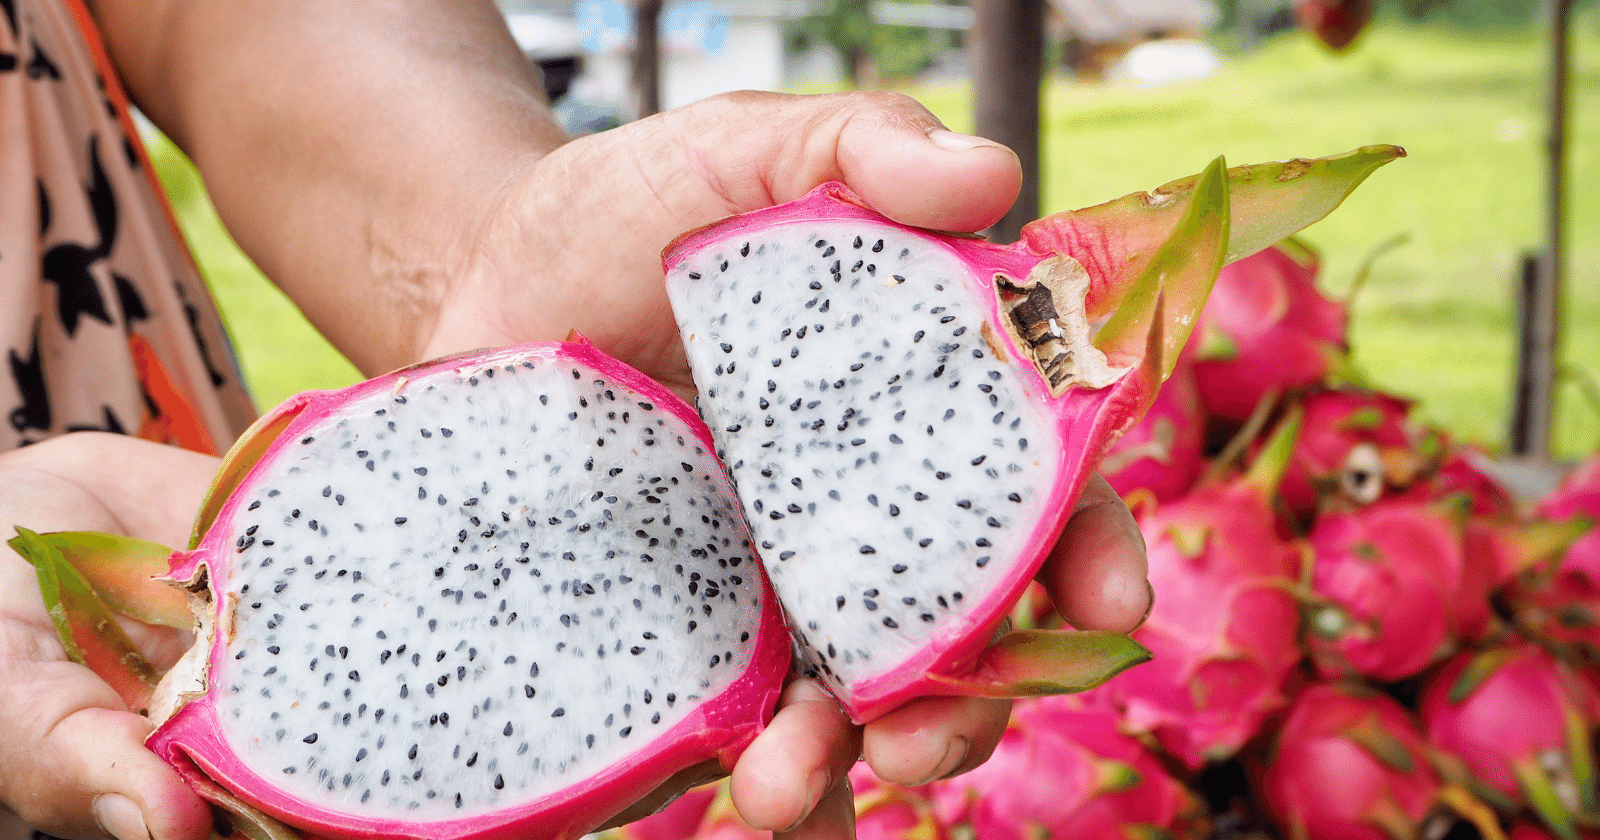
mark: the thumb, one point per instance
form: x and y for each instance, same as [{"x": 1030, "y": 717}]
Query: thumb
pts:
[
  {"x": 766, "y": 148},
  {"x": 73, "y": 766}
]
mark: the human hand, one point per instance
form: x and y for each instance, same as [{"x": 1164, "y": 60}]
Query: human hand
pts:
[
  {"x": 574, "y": 244},
  {"x": 72, "y": 757}
]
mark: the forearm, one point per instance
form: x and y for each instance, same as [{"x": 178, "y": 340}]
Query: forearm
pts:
[{"x": 353, "y": 149}]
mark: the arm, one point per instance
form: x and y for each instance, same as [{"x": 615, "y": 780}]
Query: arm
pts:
[
  {"x": 394, "y": 168},
  {"x": 351, "y": 148}
]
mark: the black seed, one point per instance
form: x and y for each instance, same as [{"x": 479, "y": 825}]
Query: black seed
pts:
[
  {"x": 310, "y": 739},
  {"x": 558, "y": 713}
]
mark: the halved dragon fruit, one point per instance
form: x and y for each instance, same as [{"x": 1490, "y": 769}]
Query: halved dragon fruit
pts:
[
  {"x": 908, "y": 416},
  {"x": 499, "y": 595}
]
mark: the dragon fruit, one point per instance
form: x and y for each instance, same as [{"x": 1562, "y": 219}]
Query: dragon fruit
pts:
[
  {"x": 1267, "y": 329},
  {"x": 1461, "y": 471},
  {"x": 908, "y": 416},
  {"x": 1522, "y": 722},
  {"x": 1165, "y": 452},
  {"x": 1064, "y": 769},
  {"x": 505, "y": 594},
  {"x": 1356, "y": 446},
  {"x": 1387, "y": 582},
  {"x": 1336, "y": 23},
  {"x": 887, "y": 811},
  {"x": 679, "y": 820},
  {"x": 1224, "y": 628},
  {"x": 1560, "y": 601},
  {"x": 1351, "y": 764}
]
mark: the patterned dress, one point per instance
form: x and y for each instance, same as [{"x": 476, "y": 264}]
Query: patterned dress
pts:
[{"x": 105, "y": 322}]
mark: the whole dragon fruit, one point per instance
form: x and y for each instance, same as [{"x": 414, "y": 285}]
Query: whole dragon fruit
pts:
[
  {"x": 1559, "y": 600},
  {"x": 1523, "y": 723},
  {"x": 1064, "y": 769},
  {"x": 1164, "y": 453},
  {"x": 499, "y": 595},
  {"x": 1267, "y": 329},
  {"x": 1336, "y": 23},
  {"x": 1349, "y": 763},
  {"x": 1356, "y": 445},
  {"x": 908, "y": 416},
  {"x": 1387, "y": 582},
  {"x": 887, "y": 811},
  {"x": 1224, "y": 629}
]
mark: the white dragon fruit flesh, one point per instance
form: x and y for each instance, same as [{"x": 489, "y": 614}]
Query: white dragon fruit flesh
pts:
[
  {"x": 499, "y": 595},
  {"x": 908, "y": 416}
]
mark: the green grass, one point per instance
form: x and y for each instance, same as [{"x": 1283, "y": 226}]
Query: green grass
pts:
[{"x": 1435, "y": 320}]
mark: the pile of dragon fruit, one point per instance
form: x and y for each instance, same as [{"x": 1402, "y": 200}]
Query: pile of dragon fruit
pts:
[{"x": 1358, "y": 632}]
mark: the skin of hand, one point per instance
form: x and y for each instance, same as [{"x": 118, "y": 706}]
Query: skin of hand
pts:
[
  {"x": 72, "y": 757},
  {"x": 405, "y": 185}
]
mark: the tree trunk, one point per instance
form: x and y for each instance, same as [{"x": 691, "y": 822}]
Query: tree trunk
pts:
[
  {"x": 1007, "y": 54},
  {"x": 1540, "y": 310},
  {"x": 646, "y": 57}
]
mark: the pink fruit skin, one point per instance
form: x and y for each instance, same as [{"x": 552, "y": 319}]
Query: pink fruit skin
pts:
[
  {"x": 719, "y": 730},
  {"x": 1062, "y": 769},
  {"x": 1282, "y": 331},
  {"x": 1562, "y": 603},
  {"x": 1324, "y": 782},
  {"x": 1395, "y": 569},
  {"x": 1224, "y": 625},
  {"x": 1088, "y": 422},
  {"x": 1579, "y": 496},
  {"x": 1164, "y": 452},
  {"x": 1516, "y": 714},
  {"x": 886, "y": 811},
  {"x": 1462, "y": 473},
  {"x": 678, "y": 821},
  {"x": 1337, "y": 420}
]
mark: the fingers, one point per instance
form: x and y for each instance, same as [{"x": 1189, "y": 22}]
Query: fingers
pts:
[
  {"x": 802, "y": 754},
  {"x": 73, "y": 765},
  {"x": 962, "y": 183},
  {"x": 934, "y": 738},
  {"x": 771, "y": 148},
  {"x": 834, "y": 818},
  {"x": 1096, "y": 572}
]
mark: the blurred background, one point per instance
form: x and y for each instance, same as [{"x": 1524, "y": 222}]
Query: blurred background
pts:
[{"x": 1132, "y": 94}]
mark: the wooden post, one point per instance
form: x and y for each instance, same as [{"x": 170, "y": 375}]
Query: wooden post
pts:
[
  {"x": 1539, "y": 312},
  {"x": 646, "y": 57},
  {"x": 1007, "y": 54}
]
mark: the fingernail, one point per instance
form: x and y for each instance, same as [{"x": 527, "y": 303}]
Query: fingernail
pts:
[
  {"x": 816, "y": 786},
  {"x": 119, "y": 817},
  {"x": 953, "y": 142},
  {"x": 955, "y": 755}
]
